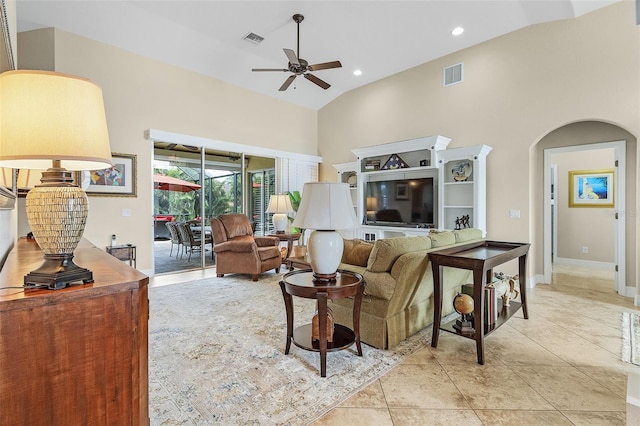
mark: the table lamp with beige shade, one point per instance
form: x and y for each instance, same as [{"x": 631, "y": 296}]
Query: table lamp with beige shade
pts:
[
  {"x": 325, "y": 207},
  {"x": 57, "y": 122},
  {"x": 280, "y": 205}
]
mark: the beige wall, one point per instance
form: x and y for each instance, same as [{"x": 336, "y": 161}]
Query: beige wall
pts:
[
  {"x": 517, "y": 88},
  {"x": 580, "y": 227},
  {"x": 140, "y": 94}
]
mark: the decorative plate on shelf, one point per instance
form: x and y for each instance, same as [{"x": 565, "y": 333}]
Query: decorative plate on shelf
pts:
[
  {"x": 352, "y": 179},
  {"x": 461, "y": 170}
]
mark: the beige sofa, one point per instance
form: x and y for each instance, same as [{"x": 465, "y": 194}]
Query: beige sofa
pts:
[{"x": 398, "y": 300}]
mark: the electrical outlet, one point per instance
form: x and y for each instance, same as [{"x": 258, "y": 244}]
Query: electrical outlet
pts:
[
  {"x": 514, "y": 214},
  {"x": 126, "y": 212},
  {"x": 585, "y": 249}
]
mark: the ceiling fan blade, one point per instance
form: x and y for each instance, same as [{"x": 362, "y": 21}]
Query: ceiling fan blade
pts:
[
  {"x": 325, "y": 66},
  {"x": 269, "y": 69},
  {"x": 317, "y": 81},
  {"x": 291, "y": 56},
  {"x": 287, "y": 83}
]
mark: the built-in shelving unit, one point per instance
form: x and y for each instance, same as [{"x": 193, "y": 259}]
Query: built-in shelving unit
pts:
[
  {"x": 463, "y": 187},
  {"x": 408, "y": 162},
  {"x": 348, "y": 173}
]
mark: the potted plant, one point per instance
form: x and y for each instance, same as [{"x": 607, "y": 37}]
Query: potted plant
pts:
[{"x": 295, "y": 197}]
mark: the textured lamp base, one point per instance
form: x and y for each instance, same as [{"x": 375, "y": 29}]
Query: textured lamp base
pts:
[
  {"x": 57, "y": 212},
  {"x": 58, "y": 272}
]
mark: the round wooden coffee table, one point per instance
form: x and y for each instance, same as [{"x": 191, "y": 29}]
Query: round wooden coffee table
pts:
[{"x": 302, "y": 284}]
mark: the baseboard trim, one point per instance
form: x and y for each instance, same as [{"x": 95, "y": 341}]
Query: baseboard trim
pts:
[
  {"x": 535, "y": 280},
  {"x": 636, "y": 298},
  {"x": 608, "y": 266}
]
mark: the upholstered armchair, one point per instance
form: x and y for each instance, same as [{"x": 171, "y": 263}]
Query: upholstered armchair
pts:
[{"x": 238, "y": 251}]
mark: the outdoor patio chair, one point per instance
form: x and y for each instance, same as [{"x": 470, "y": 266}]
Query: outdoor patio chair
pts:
[
  {"x": 192, "y": 243},
  {"x": 238, "y": 251},
  {"x": 175, "y": 237}
]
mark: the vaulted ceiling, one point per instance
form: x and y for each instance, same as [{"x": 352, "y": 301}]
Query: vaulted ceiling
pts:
[{"x": 380, "y": 38}]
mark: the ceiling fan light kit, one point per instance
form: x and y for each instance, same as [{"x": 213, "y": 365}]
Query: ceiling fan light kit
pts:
[{"x": 298, "y": 66}]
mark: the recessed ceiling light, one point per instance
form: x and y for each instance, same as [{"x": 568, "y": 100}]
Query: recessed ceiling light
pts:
[
  {"x": 457, "y": 31},
  {"x": 357, "y": 72}
]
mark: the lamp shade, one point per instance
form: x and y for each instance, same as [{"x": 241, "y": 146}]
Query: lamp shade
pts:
[
  {"x": 47, "y": 116},
  {"x": 325, "y": 206},
  {"x": 279, "y": 203}
]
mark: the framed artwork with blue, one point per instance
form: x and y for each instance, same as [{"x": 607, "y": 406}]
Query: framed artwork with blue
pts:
[{"x": 591, "y": 188}]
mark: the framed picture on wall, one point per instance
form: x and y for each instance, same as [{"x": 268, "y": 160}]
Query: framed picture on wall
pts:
[
  {"x": 591, "y": 188},
  {"x": 118, "y": 180}
]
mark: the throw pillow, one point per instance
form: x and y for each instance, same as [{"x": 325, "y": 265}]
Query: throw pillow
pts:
[
  {"x": 359, "y": 255},
  {"x": 356, "y": 252}
]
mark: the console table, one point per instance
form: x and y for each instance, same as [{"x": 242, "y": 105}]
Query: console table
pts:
[
  {"x": 125, "y": 252},
  {"x": 302, "y": 284},
  {"x": 75, "y": 356},
  {"x": 480, "y": 257}
]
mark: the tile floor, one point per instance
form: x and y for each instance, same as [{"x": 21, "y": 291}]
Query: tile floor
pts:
[{"x": 560, "y": 367}]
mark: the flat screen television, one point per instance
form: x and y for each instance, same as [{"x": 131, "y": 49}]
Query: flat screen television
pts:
[{"x": 405, "y": 202}]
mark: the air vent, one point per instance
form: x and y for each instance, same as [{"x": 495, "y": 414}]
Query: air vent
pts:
[
  {"x": 452, "y": 75},
  {"x": 254, "y": 38}
]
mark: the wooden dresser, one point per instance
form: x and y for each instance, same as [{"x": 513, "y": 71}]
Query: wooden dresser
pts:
[{"x": 77, "y": 356}]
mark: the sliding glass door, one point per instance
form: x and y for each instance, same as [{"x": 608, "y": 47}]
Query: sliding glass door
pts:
[{"x": 192, "y": 186}]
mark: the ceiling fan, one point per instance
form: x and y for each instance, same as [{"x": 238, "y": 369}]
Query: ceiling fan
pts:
[{"x": 299, "y": 66}]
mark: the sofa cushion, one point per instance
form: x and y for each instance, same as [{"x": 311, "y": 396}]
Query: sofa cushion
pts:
[
  {"x": 356, "y": 252},
  {"x": 379, "y": 284},
  {"x": 469, "y": 234},
  {"x": 441, "y": 239},
  {"x": 268, "y": 252},
  {"x": 387, "y": 250}
]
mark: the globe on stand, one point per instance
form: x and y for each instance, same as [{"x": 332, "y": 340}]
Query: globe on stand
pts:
[{"x": 463, "y": 304}]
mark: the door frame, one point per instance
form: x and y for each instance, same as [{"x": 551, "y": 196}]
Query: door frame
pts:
[{"x": 619, "y": 148}]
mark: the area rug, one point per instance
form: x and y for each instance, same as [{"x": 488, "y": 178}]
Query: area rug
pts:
[
  {"x": 216, "y": 356},
  {"x": 631, "y": 338}
]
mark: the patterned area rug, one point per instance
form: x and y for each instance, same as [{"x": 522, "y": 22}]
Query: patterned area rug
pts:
[
  {"x": 631, "y": 338},
  {"x": 216, "y": 356}
]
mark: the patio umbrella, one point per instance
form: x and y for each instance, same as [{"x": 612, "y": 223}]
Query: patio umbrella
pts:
[{"x": 169, "y": 183}]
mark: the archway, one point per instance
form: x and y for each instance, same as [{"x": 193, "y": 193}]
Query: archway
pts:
[{"x": 579, "y": 138}]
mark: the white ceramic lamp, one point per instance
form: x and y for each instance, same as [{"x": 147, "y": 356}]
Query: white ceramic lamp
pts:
[
  {"x": 280, "y": 205},
  {"x": 57, "y": 122},
  {"x": 325, "y": 207}
]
